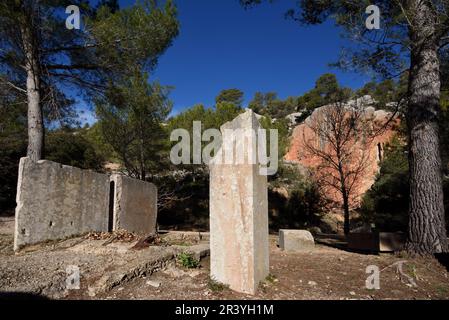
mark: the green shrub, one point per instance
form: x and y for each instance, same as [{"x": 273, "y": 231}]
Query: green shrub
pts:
[
  {"x": 386, "y": 203},
  {"x": 187, "y": 260},
  {"x": 216, "y": 286}
]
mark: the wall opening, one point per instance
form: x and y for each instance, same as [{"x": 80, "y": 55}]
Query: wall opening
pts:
[
  {"x": 111, "y": 206},
  {"x": 379, "y": 152}
]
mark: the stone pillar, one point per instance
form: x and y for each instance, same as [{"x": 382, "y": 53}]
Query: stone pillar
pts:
[{"x": 239, "y": 209}]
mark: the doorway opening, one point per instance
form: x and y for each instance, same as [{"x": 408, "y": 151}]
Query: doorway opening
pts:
[{"x": 111, "y": 206}]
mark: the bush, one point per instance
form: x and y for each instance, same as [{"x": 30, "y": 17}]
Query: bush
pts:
[
  {"x": 13, "y": 145},
  {"x": 386, "y": 203},
  {"x": 216, "y": 286},
  {"x": 302, "y": 208},
  {"x": 187, "y": 260},
  {"x": 69, "y": 147}
]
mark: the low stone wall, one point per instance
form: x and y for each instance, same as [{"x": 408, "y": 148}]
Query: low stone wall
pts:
[
  {"x": 56, "y": 201},
  {"x": 135, "y": 205}
]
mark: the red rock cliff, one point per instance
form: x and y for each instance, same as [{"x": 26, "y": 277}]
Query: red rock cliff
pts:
[{"x": 372, "y": 151}]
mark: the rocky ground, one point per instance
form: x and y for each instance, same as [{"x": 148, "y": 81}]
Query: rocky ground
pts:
[{"x": 115, "y": 268}]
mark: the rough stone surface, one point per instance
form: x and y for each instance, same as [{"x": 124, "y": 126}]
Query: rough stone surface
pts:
[
  {"x": 295, "y": 240},
  {"x": 299, "y": 154},
  {"x": 56, "y": 201},
  {"x": 135, "y": 205},
  {"x": 184, "y": 236},
  {"x": 239, "y": 216},
  {"x": 41, "y": 270}
]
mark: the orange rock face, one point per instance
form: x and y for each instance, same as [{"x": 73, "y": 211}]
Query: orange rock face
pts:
[{"x": 365, "y": 154}]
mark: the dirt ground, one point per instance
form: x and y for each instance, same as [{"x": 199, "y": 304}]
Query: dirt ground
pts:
[
  {"x": 324, "y": 273},
  {"x": 114, "y": 271}
]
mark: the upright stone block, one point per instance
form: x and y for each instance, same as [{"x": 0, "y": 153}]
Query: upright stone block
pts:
[
  {"x": 239, "y": 210},
  {"x": 135, "y": 205},
  {"x": 56, "y": 201}
]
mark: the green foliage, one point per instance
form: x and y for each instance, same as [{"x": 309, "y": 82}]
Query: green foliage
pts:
[
  {"x": 216, "y": 286},
  {"x": 386, "y": 203},
  {"x": 65, "y": 145},
  {"x": 133, "y": 36},
  {"x": 258, "y": 104},
  {"x": 187, "y": 260},
  {"x": 386, "y": 91},
  {"x": 326, "y": 85},
  {"x": 69, "y": 147},
  {"x": 271, "y": 279},
  {"x": 191, "y": 188},
  {"x": 225, "y": 112},
  {"x": 281, "y": 126},
  {"x": 234, "y": 96},
  {"x": 324, "y": 92},
  {"x": 268, "y": 104},
  {"x": 210, "y": 118},
  {"x": 96, "y": 138},
  {"x": 111, "y": 46},
  {"x": 302, "y": 208},
  {"x": 13, "y": 146},
  {"x": 130, "y": 120}
]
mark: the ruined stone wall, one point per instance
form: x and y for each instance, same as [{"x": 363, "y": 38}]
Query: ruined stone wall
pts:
[
  {"x": 56, "y": 201},
  {"x": 135, "y": 205}
]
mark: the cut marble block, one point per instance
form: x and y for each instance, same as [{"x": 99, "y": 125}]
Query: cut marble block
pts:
[
  {"x": 295, "y": 240},
  {"x": 239, "y": 212}
]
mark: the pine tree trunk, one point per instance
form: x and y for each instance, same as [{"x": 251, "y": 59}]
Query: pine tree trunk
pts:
[
  {"x": 426, "y": 231},
  {"x": 35, "y": 116},
  {"x": 142, "y": 161}
]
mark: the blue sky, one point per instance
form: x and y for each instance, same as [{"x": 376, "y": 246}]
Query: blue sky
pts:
[{"x": 221, "y": 45}]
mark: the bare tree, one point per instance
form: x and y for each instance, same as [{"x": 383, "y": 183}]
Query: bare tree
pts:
[{"x": 342, "y": 135}]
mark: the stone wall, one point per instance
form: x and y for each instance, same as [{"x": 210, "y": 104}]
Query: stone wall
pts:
[
  {"x": 135, "y": 205},
  {"x": 56, "y": 201}
]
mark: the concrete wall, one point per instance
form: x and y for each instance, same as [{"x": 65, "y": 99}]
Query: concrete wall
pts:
[
  {"x": 56, "y": 201},
  {"x": 135, "y": 205}
]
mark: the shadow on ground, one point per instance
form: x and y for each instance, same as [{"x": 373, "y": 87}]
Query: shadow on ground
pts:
[
  {"x": 443, "y": 259},
  {"x": 18, "y": 296}
]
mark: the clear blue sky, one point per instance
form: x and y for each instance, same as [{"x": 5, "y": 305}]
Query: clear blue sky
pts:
[{"x": 221, "y": 45}]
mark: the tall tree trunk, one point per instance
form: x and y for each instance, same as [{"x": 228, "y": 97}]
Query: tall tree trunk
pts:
[
  {"x": 346, "y": 226},
  {"x": 35, "y": 115},
  {"x": 426, "y": 231},
  {"x": 142, "y": 161},
  {"x": 142, "y": 151}
]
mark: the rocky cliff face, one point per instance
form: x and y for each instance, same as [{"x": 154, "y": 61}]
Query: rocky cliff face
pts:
[{"x": 305, "y": 133}]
